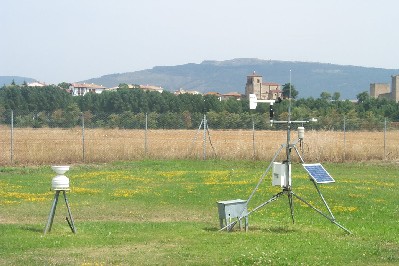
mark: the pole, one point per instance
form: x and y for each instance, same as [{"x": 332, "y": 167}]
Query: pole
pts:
[
  {"x": 70, "y": 222},
  {"x": 12, "y": 138},
  {"x": 289, "y": 124},
  {"x": 204, "y": 138},
  {"x": 253, "y": 138},
  {"x": 83, "y": 139},
  {"x": 288, "y": 147},
  {"x": 385, "y": 137},
  {"x": 145, "y": 134},
  {"x": 52, "y": 213},
  {"x": 344, "y": 138}
]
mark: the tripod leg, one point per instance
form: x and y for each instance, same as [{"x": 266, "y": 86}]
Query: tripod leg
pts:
[
  {"x": 221, "y": 223},
  {"x": 322, "y": 198},
  {"x": 264, "y": 174},
  {"x": 275, "y": 197},
  {"x": 209, "y": 138},
  {"x": 71, "y": 223},
  {"x": 262, "y": 178},
  {"x": 196, "y": 135},
  {"x": 299, "y": 155},
  {"x": 291, "y": 203},
  {"x": 52, "y": 213},
  {"x": 331, "y": 219}
]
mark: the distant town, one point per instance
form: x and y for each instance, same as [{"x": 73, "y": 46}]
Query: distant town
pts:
[{"x": 254, "y": 85}]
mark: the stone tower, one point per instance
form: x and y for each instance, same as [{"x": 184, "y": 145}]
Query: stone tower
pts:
[
  {"x": 254, "y": 85},
  {"x": 380, "y": 90},
  {"x": 395, "y": 88}
]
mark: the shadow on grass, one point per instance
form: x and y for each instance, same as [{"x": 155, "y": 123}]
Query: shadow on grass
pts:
[
  {"x": 32, "y": 229},
  {"x": 270, "y": 229},
  {"x": 211, "y": 229},
  {"x": 279, "y": 229}
]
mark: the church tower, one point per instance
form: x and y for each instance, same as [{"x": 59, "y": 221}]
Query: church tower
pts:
[{"x": 254, "y": 85}]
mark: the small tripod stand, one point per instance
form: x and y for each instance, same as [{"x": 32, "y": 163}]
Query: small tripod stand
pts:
[{"x": 54, "y": 207}]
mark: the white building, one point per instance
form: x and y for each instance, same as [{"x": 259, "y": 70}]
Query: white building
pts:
[
  {"x": 183, "y": 91},
  {"x": 151, "y": 88},
  {"x": 80, "y": 89},
  {"x": 36, "y": 84}
]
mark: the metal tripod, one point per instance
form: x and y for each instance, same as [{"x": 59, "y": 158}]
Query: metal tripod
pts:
[
  {"x": 52, "y": 213},
  {"x": 287, "y": 190},
  {"x": 204, "y": 123},
  {"x": 286, "y": 187}
]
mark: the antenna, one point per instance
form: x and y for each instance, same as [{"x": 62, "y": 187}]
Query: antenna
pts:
[
  {"x": 288, "y": 150},
  {"x": 281, "y": 175}
]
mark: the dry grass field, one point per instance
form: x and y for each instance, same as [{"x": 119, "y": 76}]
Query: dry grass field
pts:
[{"x": 50, "y": 146}]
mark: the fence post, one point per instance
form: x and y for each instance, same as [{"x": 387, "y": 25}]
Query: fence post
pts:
[
  {"x": 253, "y": 138},
  {"x": 204, "y": 144},
  {"x": 83, "y": 139},
  {"x": 145, "y": 135},
  {"x": 344, "y": 138},
  {"x": 12, "y": 138},
  {"x": 385, "y": 137}
]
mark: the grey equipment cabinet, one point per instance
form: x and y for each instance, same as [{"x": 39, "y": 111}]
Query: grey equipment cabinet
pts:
[{"x": 232, "y": 209}]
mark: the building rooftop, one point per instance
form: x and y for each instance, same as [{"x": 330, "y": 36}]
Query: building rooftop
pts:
[{"x": 87, "y": 85}]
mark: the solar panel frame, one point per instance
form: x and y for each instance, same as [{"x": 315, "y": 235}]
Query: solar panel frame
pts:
[{"x": 317, "y": 172}]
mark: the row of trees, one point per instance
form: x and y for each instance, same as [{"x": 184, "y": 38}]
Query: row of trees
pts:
[{"x": 53, "y": 106}]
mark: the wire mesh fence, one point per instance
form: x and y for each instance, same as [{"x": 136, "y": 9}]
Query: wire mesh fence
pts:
[{"x": 63, "y": 137}]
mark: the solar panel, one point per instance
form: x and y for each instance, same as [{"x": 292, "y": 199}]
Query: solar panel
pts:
[{"x": 318, "y": 173}]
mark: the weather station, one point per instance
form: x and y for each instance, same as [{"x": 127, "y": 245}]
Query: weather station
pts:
[
  {"x": 281, "y": 171},
  {"x": 60, "y": 183}
]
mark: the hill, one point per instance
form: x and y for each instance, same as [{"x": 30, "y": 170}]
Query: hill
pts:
[
  {"x": 309, "y": 78},
  {"x": 7, "y": 80}
]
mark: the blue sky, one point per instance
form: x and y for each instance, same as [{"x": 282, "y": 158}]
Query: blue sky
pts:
[{"x": 73, "y": 40}]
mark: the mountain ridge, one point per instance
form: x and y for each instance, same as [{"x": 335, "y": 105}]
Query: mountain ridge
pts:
[{"x": 309, "y": 78}]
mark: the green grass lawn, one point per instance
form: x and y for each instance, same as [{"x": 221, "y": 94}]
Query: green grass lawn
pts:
[{"x": 165, "y": 213}]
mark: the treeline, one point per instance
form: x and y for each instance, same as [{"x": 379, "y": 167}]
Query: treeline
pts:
[{"x": 52, "y": 106}]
